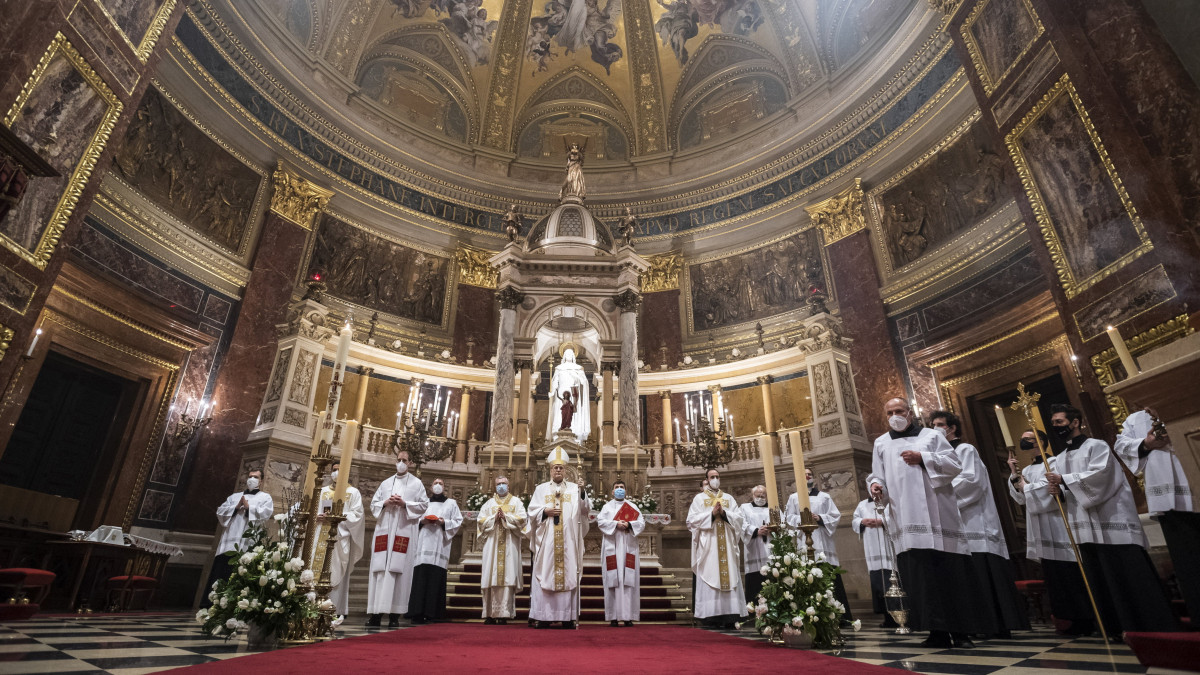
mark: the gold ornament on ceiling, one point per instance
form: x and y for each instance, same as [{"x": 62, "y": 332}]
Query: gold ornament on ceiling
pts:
[
  {"x": 474, "y": 269},
  {"x": 663, "y": 274},
  {"x": 841, "y": 215},
  {"x": 296, "y": 199}
]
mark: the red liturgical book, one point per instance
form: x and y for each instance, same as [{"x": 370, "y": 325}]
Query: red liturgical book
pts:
[
  {"x": 627, "y": 513},
  {"x": 431, "y": 517}
]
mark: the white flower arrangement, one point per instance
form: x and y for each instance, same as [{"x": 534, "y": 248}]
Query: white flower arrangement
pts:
[{"x": 797, "y": 594}]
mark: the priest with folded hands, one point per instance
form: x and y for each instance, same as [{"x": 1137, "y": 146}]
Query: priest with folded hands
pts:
[
  {"x": 559, "y": 513},
  {"x": 621, "y": 522}
]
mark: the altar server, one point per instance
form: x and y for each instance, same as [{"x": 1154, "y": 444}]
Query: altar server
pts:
[
  {"x": 871, "y": 527},
  {"x": 348, "y": 549},
  {"x": 435, "y": 535},
  {"x": 1148, "y": 452},
  {"x": 716, "y": 526},
  {"x": 1046, "y": 540},
  {"x": 398, "y": 505},
  {"x": 251, "y": 506},
  {"x": 1105, "y": 522},
  {"x": 756, "y": 539},
  {"x": 985, "y": 534},
  {"x": 621, "y": 523},
  {"x": 912, "y": 469},
  {"x": 559, "y": 513},
  {"x": 827, "y": 516},
  {"x": 501, "y": 523}
]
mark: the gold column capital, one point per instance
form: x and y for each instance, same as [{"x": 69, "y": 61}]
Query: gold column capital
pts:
[
  {"x": 765, "y": 380},
  {"x": 467, "y": 389},
  {"x": 714, "y": 388},
  {"x": 840, "y": 215},
  {"x": 663, "y": 274},
  {"x": 297, "y": 199},
  {"x": 665, "y": 395}
]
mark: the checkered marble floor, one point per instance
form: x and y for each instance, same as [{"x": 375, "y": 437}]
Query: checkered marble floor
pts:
[{"x": 147, "y": 643}]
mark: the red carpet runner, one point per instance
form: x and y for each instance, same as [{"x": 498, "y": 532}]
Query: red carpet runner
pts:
[{"x": 473, "y": 648}]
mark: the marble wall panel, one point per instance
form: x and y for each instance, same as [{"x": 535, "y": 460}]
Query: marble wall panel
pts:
[
  {"x": 185, "y": 172},
  {"x": 481, "y": 406},
  {"x": 652, "y": 422},
  {"x": 133, "y": 17},
  {"x": 381, "y": 274},
  {"x": 1018, "y": 279},
  {"x": 156, "y": 506},
  {"x": 476, "y": 318},
  {"x": 383, "y": 399},
  {"x": 792, "y": 402},
  {"x": 193, "y": 384},
  {"x": 949, "y": 192},
  {"x": 1002, "y": 32},
  {"x": 1143, "y": 293},
  {"x": 664, "y": 330},
  {"x": 745, "y": 404},
  {"x": 753, "y": 285},
  {"x": 102, "y": 249},
  {"x": 217, "y": 309},
  {"x": 15, "y": 290}
]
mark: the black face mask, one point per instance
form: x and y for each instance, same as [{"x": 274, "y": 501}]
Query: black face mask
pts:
[
  {"x": 1064, "y": 432},
  {"x": 1027, "y": 444}
]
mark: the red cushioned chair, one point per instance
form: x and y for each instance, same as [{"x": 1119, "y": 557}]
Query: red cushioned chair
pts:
[
  {"x": 126, "y": 587},
  {"x": 23, "y": 589},
  {"x": 1165, "y": 652},
  {"x": 1034, "y": 590}
]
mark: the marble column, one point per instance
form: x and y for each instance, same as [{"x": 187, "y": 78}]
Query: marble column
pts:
[
  {"x": 464, "y": 414},
  {"x": 607, "y": 437},
  {"x": 764, "y": 385},
  {"x": 628, "y": 302},
  {"x": 523, "y": 435},
  {"x": 668, "y": 430},
  {"x": 769, "y": 441},
  {"x": 502, "y": 398},
  {"x": 242, "y": 381},
  {"x": 360, "y": 402}
]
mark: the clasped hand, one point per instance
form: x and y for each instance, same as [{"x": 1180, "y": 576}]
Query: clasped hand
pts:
[
  {"x": 1055, "y": 480},
  {"x": 554, "y": 511},
  {"x": 911, "y": 457},
  {"x": 395, "y": 500}
]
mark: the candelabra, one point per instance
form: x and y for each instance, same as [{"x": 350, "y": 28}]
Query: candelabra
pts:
[
  {"x": 187, "y": 426},
  {"x": 708, "y": 447},
  {"x": 422, "y": 436}
]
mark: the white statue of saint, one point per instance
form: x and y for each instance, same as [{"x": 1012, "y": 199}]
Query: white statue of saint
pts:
[{"x": 569, "y": 378}]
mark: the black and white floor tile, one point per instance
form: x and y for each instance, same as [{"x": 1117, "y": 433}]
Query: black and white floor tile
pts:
[{"x": 147, "y": 643}]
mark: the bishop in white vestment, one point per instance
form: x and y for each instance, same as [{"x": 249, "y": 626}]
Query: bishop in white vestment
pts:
[
  {"x": 559, "y": 513},
  {"x": 871, "y": 527},
  {"x": 827, "y": 516},
  {"x": 348, "y": 549},
  {"x": 1168, "y": 496},
  {"x": 1046, "y": 540},
  {"x": 715, "y": 522},
  {"x": 985, "y": 536},
  {"x": 437, "y": 529},
  {"x": 251, "y": 506},
  {"x": 756, "y": 541},
  {"x": 912, "y": 469},
  {"x": 398, "y": 505},
  {"x": 501, "y": 523},
  {"x": 621, "y": 523},
  {"x": 1104, "y": 520}
]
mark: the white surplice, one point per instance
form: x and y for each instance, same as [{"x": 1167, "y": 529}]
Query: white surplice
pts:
[
  {"x": 348, "y": 549},
  {"x": 1045, "y": 534},
  {"x": 973, "y": 489},
  {"x": 874, "y": 539},
  {"x": 921, "y": 498},
  {"x": 501, "y": 575},
  {"x": 394, "y": 544},
  {"x": 756, "y": 549},
  {"x": 621, "y": 562},
  {"x": 434, "y": 540},
  {"x": 1099, "y": 500},
  {"x": 822, "y": 506},
  {"x": 558, "y": 556},
  {"x": 260, "y": 507},
  {"x": 715, "y": 556},
  {"x": 1167, "y": 486}
]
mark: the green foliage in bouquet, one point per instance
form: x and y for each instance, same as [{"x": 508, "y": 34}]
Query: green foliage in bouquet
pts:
[
  {"x": 797, "y": 594},
  {"x": 477, "y": 498},
  {"x": 267, "y": 589}
]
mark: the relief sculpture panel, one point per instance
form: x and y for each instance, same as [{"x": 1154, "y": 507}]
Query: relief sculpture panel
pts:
[
  {"x": 753, "y": 285},
  {"x": 186, "y": 173},
  {"x": 306, "y": 370},
  {"x": 823, "y": 388},
  {"x": 946, "y": 193},
  {"x": 374, "y": 272},
  {"x": 275, "y": 390},
  {"x": 847, "y": 384}
]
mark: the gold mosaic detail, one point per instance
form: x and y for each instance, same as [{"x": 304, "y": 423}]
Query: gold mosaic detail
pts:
[
  {"x": 841, "y": 215},
  {"x": 502, "y": 92},
  {"x": 296, "y": 199},
  {"x": 663, "y": 274},
  {"x": 647, "y": 81},
  {"x": 474, "y": 268}
]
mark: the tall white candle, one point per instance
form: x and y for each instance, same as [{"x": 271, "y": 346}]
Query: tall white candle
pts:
[
  {"x": 677, "y": 436},
  {"x": 36, "y": 334},
  {"x": 1003, "y": 421},
  {"x": 343, "y": 350},
  {"x": 1118, "y": 342}
]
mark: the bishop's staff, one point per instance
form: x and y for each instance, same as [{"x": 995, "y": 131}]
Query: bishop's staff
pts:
[{"x": 1027, "y": 403}]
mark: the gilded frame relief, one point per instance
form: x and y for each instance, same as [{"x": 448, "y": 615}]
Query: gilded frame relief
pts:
[
  {"x": 44, "y": 232},
  {"x": 1069, "y": 278},
  {"x": 991, "y": 81},
  {"x": 149, "y": 38},
  {"x": 1105, "y": 364}
]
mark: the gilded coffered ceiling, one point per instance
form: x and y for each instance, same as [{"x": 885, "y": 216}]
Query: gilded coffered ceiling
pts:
[{"x": 625, "y": 78}]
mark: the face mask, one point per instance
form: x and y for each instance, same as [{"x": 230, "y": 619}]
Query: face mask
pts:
[
  {"x": 898, "y": 423},
  {"x": 437, "y": 488},
  {"x": 810, "y": 483},
  {"x": 1064, "y": 432},
  {"x": 619, "y": 493},
  {"x": 760, "y": 501},
  {"x": 502, "y": 489},
  {"x": 1026, "y": 443},
  {"x": 401, "y": 467},
  {"x": 252, "y": 484},
  {"x": 944, "y": 431},
  {"x": 714, "y": 483},
  {"x": 333, "y": 476}
]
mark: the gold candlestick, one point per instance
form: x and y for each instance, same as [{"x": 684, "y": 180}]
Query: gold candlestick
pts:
[{"x": 809, "y": 525}]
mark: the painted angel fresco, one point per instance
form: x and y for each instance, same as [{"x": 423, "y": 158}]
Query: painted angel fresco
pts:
[
  {"x": 683, "y": 19},
  {"x": 574, "y": 25}
]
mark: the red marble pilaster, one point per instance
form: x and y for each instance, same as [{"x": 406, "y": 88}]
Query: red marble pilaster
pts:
[
  {"x": 873, "y": 357},
  {"x": 475, "y": 319},
  {"x": 664, "y": 329},
  {"x": 243, "y": 376}
]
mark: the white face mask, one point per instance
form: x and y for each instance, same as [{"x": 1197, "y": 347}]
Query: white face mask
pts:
[
  {"x": 714, "y": 483},
  {"x": 437, "y": 488},
  {"x": 898, "y": 423},
  {"x": 333, "y": 476},
  {"x": 760, "y": 501},
  {"x": 401, "y": 467},
  {"x": 944, "y": 431},
  {"x": 252, "y": 483},
  {"x": 502, "y": 489}
]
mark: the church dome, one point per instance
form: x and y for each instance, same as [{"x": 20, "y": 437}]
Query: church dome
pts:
[{"x": 570, "y": 229}]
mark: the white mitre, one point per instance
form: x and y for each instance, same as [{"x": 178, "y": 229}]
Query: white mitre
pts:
[{"x": 558, "y": 456}]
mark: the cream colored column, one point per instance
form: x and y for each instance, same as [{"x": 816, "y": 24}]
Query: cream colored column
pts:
[
  {"x": 360, "y": 403},
  {"x": 464, "y": 413},
  {"x": 607, "y": 436},
  {"x": 668, "y": 430},
  {"x": 764, "y": 385}
]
